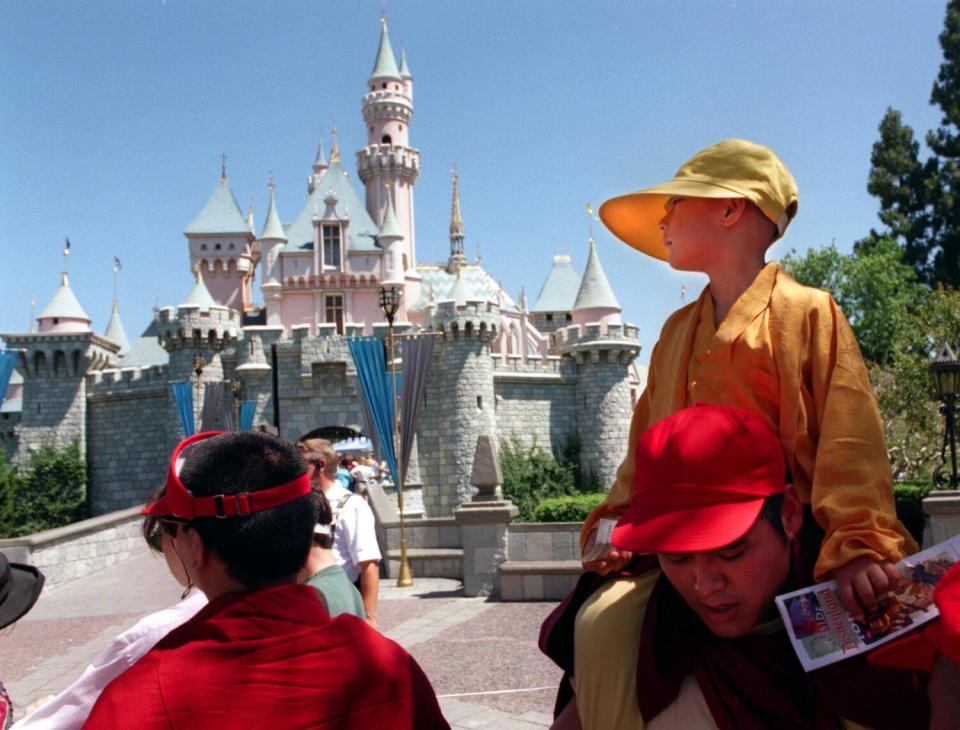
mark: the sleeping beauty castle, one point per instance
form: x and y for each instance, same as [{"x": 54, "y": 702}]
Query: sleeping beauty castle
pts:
[{"x": 557, "y": 372}]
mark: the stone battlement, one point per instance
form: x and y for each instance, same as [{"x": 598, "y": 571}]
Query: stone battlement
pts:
[
  {"x": 551, "y": 365},
  {"x": 595, "y": 332},
  {"x": 100, "y": 382}
]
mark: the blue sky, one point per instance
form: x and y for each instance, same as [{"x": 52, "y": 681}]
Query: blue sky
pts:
[{"x": 115, "y": 112}]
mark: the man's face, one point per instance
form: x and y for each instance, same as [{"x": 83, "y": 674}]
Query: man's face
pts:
[
  {"x": 690, "y": 228},
  {"x": 733, "y": 587}
]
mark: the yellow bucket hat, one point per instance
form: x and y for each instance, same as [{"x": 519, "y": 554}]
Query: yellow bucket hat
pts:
[{"x": 734, "y": 168}]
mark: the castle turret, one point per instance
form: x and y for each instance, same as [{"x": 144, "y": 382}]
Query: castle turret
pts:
[
  {"x": 272, "y": 240},
  {"x": 222, "y": 246},
  {"x": 115, "y": 331},
  {"x": 390, "y": 240},
  {"x": 462, "y": 390},
  {"x": 558, "y": 295},
  {"x": 54, "y": 363},
  {"x": 388, "y": 166}
]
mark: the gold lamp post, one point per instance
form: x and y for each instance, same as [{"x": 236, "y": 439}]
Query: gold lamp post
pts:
[
  {"x": 390, "y": 304},
  {"x": 945, "y": 375},
  {"x": 199, "y": 363}
]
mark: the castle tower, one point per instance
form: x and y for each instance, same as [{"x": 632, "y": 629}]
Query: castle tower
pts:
[
  {"x": 554, "y": 305},
  {"x": 603, "y": 350},
  {"x": 388, "y": 165},
  {"x": 463, "y": 393},
  {"x": 54, "y": 362},
  {"x": 115, "y": 331},
  {"x": 222, "y": 246},
  {"x": 391, "y": 241},
  {"x": 198, "y": 327},
  {"x": 457, "y": 259},
  {"x": 271, "y": 240}
]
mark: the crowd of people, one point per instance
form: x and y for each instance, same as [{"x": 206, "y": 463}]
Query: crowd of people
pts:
[{"x": 756, "y": 464}]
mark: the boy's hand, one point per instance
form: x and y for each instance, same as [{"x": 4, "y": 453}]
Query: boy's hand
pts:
[
  {"x": 863, "y": 582},
  {"x": 612, "y": 561}
]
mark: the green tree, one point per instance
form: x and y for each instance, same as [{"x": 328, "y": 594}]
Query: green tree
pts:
[
  {"x": 878, "y": 293},
  {"x": 48, "y": 491},
  {"x": 920, "y": 200}
]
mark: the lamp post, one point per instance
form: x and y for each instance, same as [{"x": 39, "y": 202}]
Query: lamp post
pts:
[
  {"x": 945, "y": 375},
  {"x": 199, "y": 363},
  {"x": 390, "y": 304}
]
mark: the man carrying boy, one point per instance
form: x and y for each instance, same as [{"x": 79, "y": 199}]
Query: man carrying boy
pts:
[
  {"x": 711, "y": 502},
  {"x": 757, "y": 339}
]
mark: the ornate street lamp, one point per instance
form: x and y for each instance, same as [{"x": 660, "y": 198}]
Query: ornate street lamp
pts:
[
  {"x": 199, "y": 363},
  {"x": 945, "y": 375},
  {"x": 390, "y": 304}
]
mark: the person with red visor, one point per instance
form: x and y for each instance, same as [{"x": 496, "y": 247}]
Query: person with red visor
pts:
[
  {"x": 264, "y": 652},
  {"x": 713, "y": 508}
]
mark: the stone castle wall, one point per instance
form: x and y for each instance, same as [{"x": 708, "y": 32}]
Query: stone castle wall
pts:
[{"x": 132, "y": 427}]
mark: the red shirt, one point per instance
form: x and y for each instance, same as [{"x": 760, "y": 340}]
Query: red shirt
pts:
[{"x": 271, "y": 658}]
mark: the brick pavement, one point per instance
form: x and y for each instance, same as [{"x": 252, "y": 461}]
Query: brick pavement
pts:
[{"x": 480, "y": 655}]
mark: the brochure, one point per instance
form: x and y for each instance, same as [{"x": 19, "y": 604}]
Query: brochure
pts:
[
  {"x": 599, "y": 543},
  {"x": 822, "y": 632}
]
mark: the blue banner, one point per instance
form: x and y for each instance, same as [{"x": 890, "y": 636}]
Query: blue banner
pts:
[
  {"x": 8, "y": 358},
  {"x": 183, "y": 394},
  {"x": 247, "y": 410},
  {"x": 367, "y": 353}
]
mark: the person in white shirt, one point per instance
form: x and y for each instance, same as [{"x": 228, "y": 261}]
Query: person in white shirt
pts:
[
  {"x": 354, "y": 537},
  {"x": 70, "y": 708}
]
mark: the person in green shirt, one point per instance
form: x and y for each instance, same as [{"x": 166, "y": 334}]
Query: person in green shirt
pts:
[{"x": 321, "y": 571}]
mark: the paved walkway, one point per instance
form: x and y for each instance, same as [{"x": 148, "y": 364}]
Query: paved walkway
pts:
[{"x": 480, "y": 655}]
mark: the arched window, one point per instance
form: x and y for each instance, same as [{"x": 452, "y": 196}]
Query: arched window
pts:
[{"x": 385, "y": 139}]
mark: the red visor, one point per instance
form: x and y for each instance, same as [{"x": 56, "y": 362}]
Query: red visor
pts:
[{"x": 178, "y": 500}]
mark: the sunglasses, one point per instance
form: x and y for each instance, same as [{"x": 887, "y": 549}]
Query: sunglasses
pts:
[{"x": 171, "y": 526}]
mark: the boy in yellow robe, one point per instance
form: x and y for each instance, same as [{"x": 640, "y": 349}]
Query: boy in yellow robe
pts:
[{"x": 758, "y": 340}]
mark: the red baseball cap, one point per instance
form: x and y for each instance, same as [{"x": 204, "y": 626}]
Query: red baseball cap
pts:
[
  {"x": 702, "y": 477},
  {"x": 180, "y": 502},
  {"x": 918, "y": 649}
]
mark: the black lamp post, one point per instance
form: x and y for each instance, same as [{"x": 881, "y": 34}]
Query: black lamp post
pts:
[
  {"x": 945, "y": 375},
  {"x": 199, "y": 363},
  {"x": 236, "y": 387},
  {"x": 390, "y": 305}
]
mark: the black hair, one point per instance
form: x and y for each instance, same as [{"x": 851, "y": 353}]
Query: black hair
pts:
[
  {"x": 324, "y": 517},
  {"x": 771, "y": 512},
  {"x": 150, "y": 527},
  {"x": 264, "y": 547}
]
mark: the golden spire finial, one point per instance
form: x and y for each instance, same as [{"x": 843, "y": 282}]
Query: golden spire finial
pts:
[
  {"x": 456, "y": 217},
  {"x": 334, "y": 148}
]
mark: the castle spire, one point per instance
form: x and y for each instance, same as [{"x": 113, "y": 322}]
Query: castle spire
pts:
[
  {"x": 457, "y": 258},
  {"x": 404, "y": 69},
  {"x": 334, "y": 149}
]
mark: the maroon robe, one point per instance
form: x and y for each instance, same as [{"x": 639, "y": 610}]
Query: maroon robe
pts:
[{"x": 271, "y": 658}]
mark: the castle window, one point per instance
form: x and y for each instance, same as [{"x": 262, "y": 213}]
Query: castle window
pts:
[
  {"x": 331, "y": 246},
  {"x": 203, "y": 247},
  {"x": 217, "y": 247},
  {"x": 333, "y": 311},
  {"x": 549, "y": 317},
  {"x": 568, "y": 317},
  {"x": 56, "y": 320},
  {"x": 385, "y": 139},
  {"x": 232, "y": 247},
  {"x": 383, "y": 85},
  {"x": 401, "y": 127},
  {"x": 480, "y": 402}
]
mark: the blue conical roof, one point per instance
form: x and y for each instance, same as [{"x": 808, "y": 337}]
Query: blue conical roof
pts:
[
  {"x": 273, "y": 229},
  {"x": 115, "y": 330},
  {"x": 595, "y": 291},
  {"x": 64, "y": 304},
  {"x": 147, "y": 351},
  {"x": 559, "y": 291},
  {"x": 221, "y": 214},
  {"x": 385, "y": 67},
  {"x": 199, "y": 296},
  {"x": 391, "y": 227}
]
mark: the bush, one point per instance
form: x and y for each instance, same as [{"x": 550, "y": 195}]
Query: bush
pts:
[
  {"x": 531, "y": 475},
  {"x": 916, "y": 489},
  {"x": 572, "y": 508},
  {"x": 49, "y": 491}
]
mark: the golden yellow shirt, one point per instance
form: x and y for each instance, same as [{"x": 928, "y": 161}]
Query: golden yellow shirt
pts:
[{"x": 786, "y": 352}]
